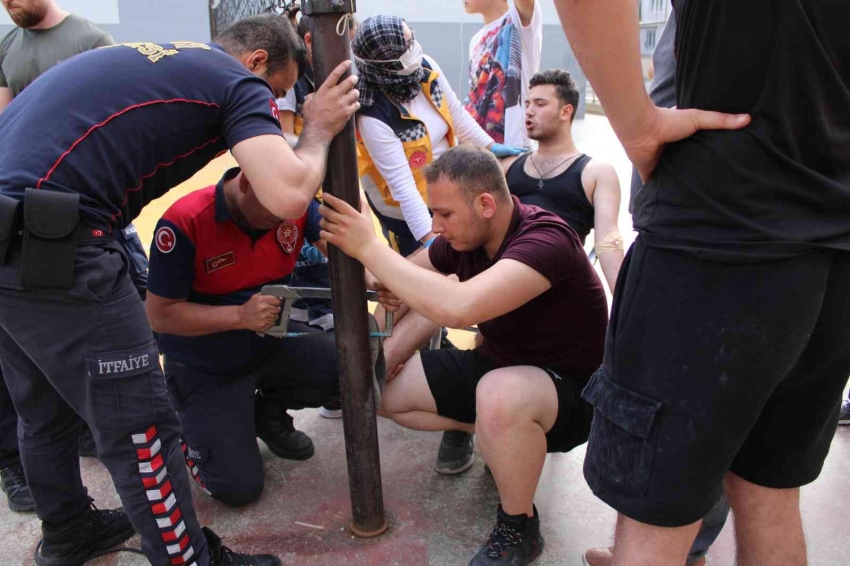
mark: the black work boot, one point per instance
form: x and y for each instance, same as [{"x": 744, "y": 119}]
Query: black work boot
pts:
[
  {"x": 14, "y": 484},
  {"x": 220, "y": 555},
  {"x": 455, "y": 455},
  {"x": 82, "y": 538},
  {"x": 276, "y": 428},
  {"x": 515, "y": 541}
]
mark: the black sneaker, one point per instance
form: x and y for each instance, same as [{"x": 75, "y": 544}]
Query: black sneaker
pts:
[
  {"x": 14, "y": 484},
  {"x": 81, "y": 539},
  {"x": 85, "y": 445},
  {"x": 515, "y": 541},
  {"x": 455, "y": 454},
  {"x": 220, "y": 555},
  {"x": 276, "y": 428},
  {"x": 844, "y": 415}
]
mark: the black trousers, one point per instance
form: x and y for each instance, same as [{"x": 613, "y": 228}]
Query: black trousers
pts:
[
  {"x": 88, "y": 353},
  {"x": 217, "y": 411}
]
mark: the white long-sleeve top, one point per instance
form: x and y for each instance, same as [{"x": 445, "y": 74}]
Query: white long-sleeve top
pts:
[{"x": 387, "y": 151}]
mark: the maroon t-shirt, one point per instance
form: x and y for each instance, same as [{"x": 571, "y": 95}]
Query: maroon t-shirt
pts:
[{"x": 562, "y": 329}]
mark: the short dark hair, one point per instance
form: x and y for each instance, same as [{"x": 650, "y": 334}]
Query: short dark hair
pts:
[
  {"x": 476, "y": 170},
  {"x": 269, "y": 32},
  {"x": 565, "y": 86},
  {"x": 305, "y": 26}
]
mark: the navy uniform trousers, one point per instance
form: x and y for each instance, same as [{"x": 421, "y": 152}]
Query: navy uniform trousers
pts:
[{"x": 89, "y": 353}]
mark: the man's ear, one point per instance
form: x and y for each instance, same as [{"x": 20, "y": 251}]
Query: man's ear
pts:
[
  {"x": 486, "y": 205},
  {"x": 244, "y": 185},
  {"x": 257, "y": 61},
  {"x": 308, "y": 41},
  {"x": 567, "y": 111}
]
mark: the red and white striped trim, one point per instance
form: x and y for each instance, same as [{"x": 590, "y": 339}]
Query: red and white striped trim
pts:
[{"x": 159, "y": 491}]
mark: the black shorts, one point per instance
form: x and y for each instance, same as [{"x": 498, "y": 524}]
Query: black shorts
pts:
[
  {"x": 714, "y": 367},
  {"x": 453, "y": 376}
]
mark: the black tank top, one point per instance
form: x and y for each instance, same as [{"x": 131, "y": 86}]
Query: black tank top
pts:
[{"x": 562, "y": 195}]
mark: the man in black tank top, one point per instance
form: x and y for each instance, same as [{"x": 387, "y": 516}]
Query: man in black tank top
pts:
[{"x": 557, "y": 177}]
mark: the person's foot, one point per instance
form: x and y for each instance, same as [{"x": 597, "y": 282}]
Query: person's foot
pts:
[
  {"x": 14, "y": 484},
  {"x": 844, "y": 415},
  {"x": 515, "y": 541},
  {"x": 332, "y": 410},
  {"x": 276, "y": 428},
  {"x": 83, "y": 538},
  {"x": 220, "y": 555},
  {"x": 85, "y": 445},
  {"x": 455, "y": 455},
  {"x": 605, "y": 556}
]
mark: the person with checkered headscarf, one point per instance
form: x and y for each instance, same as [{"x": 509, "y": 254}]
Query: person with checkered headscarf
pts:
[{"x": 409, "y": 117}]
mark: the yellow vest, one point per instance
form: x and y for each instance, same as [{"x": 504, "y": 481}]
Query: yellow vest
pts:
[{"x": 412, "y": 133}]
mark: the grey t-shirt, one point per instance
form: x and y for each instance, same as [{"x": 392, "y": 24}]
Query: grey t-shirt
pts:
[
  {"x": 662, "y": 91},
  {"x": 27, "y": 53}
]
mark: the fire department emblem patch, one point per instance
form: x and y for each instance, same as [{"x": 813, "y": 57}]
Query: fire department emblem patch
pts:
[
  {"x": 418, "y": 160},
  {"x": 287, "y": 237}
]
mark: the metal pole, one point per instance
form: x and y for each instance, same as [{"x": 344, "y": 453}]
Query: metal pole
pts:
[{"x": 349, "y": 291}]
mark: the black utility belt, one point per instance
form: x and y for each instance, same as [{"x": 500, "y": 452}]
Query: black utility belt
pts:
[{"x": 48, "y": 225}]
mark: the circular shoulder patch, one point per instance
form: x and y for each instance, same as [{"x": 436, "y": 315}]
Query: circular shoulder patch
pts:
[
  {"x": 165, "y": 240},
  {"x": 418, "y": 160},
  {"x": 287, "y": 236}
]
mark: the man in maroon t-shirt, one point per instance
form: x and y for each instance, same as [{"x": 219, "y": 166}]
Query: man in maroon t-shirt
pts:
[{"x": 526, "y": 281}]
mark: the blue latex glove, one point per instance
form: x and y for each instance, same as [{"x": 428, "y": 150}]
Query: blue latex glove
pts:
[{"x": 501, "y": 151}]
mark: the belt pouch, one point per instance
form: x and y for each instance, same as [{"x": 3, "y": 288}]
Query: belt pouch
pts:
[
  {"x": 50, "y": 241},
  {"x": 10, "y": 217}
]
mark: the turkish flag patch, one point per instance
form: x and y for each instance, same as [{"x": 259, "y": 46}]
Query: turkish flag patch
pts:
[
  {"x": 275, "y": 111},
  {"x": 165, "y": 240}
]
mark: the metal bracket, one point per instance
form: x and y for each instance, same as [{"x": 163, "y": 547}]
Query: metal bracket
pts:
[
  {"x": 291, "y": 294},
  {"x": 317, "y": 7}
]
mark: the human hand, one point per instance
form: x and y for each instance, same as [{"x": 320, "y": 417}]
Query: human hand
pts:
[
  {"x": 392, "y": 374},
  {"x": 386, "y": 298},
  {"x": 667, "y": 125},
  {"x": 331, "y": 107},
  {"x": 501, "y": 151},
  {"x": 345, "y": 227},
  {"x": 259, "y": 313}
]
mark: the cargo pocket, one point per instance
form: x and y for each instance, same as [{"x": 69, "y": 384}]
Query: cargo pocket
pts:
[
  {"x": 623, "y": 435},
  {"x": 122, "y": 388}
]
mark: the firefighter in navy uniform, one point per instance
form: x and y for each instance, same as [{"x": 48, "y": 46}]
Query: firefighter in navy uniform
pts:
[
  {"x": 212, "y": 253},
  {"x": 75, "y": 342}
]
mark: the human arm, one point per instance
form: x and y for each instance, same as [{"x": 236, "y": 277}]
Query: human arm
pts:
[
  {"x": 286, "y": 180},
  {"x": 525, "y": 9},
  {"x": 387, "y": 153},
  {"x": 503, "y": 288},
  {"x": 601, "y": 181},
  {"x": 466, "y": 128},
  {"x": 5, "y": 98},
  {"x": 183, "y": 318},
  {"x": 604, "y": 37}
]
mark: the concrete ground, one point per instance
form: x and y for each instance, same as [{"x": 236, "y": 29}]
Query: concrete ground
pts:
[{"x": 435, "y": 520}]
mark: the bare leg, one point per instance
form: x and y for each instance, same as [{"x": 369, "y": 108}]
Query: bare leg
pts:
[
  {"x": 639, "y": 544},
  {"x": 516, "y": 406},
  {"x": 408, "y": 401},
  {"x": 768, "y": 526}
]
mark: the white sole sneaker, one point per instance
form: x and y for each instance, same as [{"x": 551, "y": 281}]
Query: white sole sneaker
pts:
[{"x": 330, "y": 413}]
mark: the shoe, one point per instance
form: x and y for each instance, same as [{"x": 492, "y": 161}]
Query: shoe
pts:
[
  {"x": 79, "y": 540},
  {"x": 332, "y": 410},
  {"x": 844, "y": 415},
  {"x": 276, "y": 428},
  {"x": 86, "y": 447},
  {"x": 15, "y": 486},
  {"x": 220, "y": 555},
  {"x": 455, "y": 454},
  {"x": 605, "y": 556},
  {"x": 515, "y": 541}
]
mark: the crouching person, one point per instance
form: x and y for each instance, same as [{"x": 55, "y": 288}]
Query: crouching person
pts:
[
  {"x": 524, "y": 278},
  {"x": 213, "y": 251}
]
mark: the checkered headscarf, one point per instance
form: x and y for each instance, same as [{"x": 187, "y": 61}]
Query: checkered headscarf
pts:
[{"x": 381, "y": 38}]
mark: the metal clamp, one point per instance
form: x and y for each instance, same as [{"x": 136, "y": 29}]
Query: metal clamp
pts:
[
  {"x": 316, "y": 7},
  {"x": 291, "y": 294}
]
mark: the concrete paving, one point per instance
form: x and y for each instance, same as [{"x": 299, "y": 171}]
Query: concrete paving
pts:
[{"x": 435, "y": 520}]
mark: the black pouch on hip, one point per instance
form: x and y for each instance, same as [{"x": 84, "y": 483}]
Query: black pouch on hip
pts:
[
  {"x": 50, "y": 219},
  {"x": 10, "y": 218}
]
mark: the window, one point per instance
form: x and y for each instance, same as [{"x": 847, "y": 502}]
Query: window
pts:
[{"x": 649, "y": 39}]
